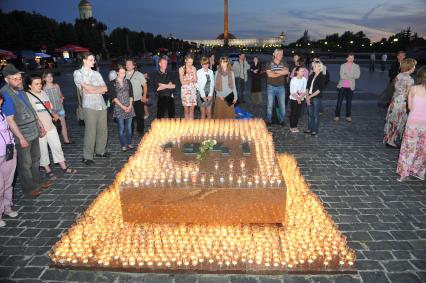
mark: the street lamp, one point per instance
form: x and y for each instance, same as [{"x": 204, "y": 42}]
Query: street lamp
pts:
[
  {"x": 326, "y": 43},
  {"x": 351, "y": 42},
  {"x": 395, "y": 39}
]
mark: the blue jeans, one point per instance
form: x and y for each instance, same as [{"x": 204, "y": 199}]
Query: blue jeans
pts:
[
  {"x": 279, "y": 93},
  {"x": 240, "y": 86},
  {"x": 313, "y": 115},
  {"x": 125, "y": 127}
]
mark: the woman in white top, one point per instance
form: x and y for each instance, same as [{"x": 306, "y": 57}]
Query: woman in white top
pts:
[
  {"x": 43, "y": 107},
  {"x": 205, "y": 87},
  {"x": 188, "y": 79},
  {"x": 297, "y": 95}
]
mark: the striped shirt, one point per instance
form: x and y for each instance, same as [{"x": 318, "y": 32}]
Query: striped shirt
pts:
[
  {"x": 278, "y": 81},
  {"x": 93, "y": 101}
]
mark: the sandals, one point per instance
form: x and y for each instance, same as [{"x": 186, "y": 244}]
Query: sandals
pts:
[
  {"x": 51, "y": 176},
  {"x": 69, "y": 170}
]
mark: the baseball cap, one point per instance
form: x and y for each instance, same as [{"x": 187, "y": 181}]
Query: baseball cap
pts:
[{"x": 10, "y": 70}]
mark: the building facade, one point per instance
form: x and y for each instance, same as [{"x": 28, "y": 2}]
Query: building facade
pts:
[{"x": 241, "y": 42}]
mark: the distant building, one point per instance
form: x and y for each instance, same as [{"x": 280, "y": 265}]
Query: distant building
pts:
[
  {"x": 85, "y": 9},
  {"x": 241, "y": 42}
]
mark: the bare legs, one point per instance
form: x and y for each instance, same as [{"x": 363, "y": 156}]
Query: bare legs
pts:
[
  {"x": 189, "y": 112},
  {"x": 206, "y": 112},
  {"x": 64, "y": 129}
]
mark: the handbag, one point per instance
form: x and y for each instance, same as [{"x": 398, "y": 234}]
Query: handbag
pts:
[
  {"x": 230, "y": 99},
  {"x": 56, "y": 123},
  {"x": 10, "y": 147}
]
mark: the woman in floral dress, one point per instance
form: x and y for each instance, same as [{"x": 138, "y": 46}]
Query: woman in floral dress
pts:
[
  {"x": 397, "y": 111},
  {"x": 188, "y": 79},
  {"x": 412, "y": 157}
]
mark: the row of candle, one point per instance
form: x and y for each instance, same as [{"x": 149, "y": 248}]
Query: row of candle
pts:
[
  {"x": 308, "y": 240},
  {"x": 152, "y": 166}
]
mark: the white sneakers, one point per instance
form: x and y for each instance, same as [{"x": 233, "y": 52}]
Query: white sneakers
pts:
[{"x": 11, "y": 214}]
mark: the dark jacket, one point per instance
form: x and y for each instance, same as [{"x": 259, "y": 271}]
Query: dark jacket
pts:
[
  {"x": 112, "y": 92},
  {"x": 394, "y": 70},
  {"x": 319, "y": 83}
]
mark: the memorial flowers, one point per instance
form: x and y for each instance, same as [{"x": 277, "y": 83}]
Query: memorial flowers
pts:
[{"x": 206, "y": 147}]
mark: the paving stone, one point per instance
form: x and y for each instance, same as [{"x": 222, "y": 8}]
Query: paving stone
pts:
[
  {"x": 396, "y": 266},
  {"x": 268, "y": 279},
  {"x": 374, "y": 277},
  {"x": 378, "y": 255},
  {"x": 244, "y": 280},
  {"x": 346, "y": 279},
  {"x": 185, "y": 279},
  {"x": 368, "y": 265},
  {"x": 213, "y": 279},
  {"x": 81, "y": 276},
  {"x": 404, "y": 235},
  {"x": 296, "y": 279},
  {"x": 157, "y": 278},
  {"x": 28, "y": 272},
  {"x": 404, "y": 278},
  {"x": 5, "y": 272},
  {"x": 55, "y": 274},
  {"x": 419, "y": 264}
]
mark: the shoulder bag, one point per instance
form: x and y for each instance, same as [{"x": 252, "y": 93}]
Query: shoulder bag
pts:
[{"x": 56, "y": 123}]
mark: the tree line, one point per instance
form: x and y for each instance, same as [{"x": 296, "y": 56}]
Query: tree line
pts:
[
  {"x": 358, "y": 41},
  {"x": 20, "y": 30}
]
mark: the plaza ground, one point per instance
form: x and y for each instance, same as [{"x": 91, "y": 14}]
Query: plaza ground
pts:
[{"x": 347, "y": 166}]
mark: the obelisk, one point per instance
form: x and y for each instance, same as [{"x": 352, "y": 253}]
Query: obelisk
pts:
[{"x": 225, "y": 27}]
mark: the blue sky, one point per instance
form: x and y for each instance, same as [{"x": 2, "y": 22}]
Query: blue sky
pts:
[{"x": 202, "y": 19}]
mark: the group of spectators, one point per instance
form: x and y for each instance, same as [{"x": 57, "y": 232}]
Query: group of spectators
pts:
[{"x": 32, "y": 113}]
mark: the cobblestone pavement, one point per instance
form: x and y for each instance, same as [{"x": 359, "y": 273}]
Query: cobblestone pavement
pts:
[{"x": 346, "y": 165}]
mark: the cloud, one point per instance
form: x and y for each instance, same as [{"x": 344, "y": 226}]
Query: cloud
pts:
[{"x": 371, "y": 11}]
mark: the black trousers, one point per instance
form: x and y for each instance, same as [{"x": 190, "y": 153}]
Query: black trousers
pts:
[
  {"x": 165, "y": 103},
  {"x": 295, "y": 111},
  {"x": 346, "y": 93},
  {"x": 140, "y": 113}
]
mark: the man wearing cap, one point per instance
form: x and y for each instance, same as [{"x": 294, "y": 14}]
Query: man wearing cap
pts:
[{"x": 26, "y": 128}]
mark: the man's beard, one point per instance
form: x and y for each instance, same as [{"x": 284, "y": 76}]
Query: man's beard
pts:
[{"x": 17, "y": 88}]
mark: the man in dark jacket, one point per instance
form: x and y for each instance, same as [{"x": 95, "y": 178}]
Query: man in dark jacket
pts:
[{"x": 395, "y": 68}]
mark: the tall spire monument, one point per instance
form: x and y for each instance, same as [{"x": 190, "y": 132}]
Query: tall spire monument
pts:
[{"x": 225, "y": 25}]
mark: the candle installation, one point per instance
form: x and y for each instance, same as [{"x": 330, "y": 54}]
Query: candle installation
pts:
[{"x": 207, "y": 196}]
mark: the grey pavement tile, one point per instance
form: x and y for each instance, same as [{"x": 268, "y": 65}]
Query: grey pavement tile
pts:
[
  {"x": 212, "y": 279},
  {"x": 28, "y": 272},
  {"x": 269, "y": 279},
  {"x": 398, "y": 266},
  {"x": 181, "y": 278},
  {"x": 296, "y": 279},
  {"x": 404, "y": 278},
  {"x": 374, "y": 277}
]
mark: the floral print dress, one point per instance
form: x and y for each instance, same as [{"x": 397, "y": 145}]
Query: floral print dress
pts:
[
  {"x": 189, "y": 91},
  {"x": 397, "y": 111},
  {"x": 412, "y": 157}
]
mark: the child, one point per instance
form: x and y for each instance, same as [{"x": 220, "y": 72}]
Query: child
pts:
[
  {"x": 56, "y": 98},
  {"x": 297, "y": 95}
]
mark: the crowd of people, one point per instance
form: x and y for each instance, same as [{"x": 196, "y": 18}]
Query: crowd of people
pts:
[{"x": 32, "y": 115}]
